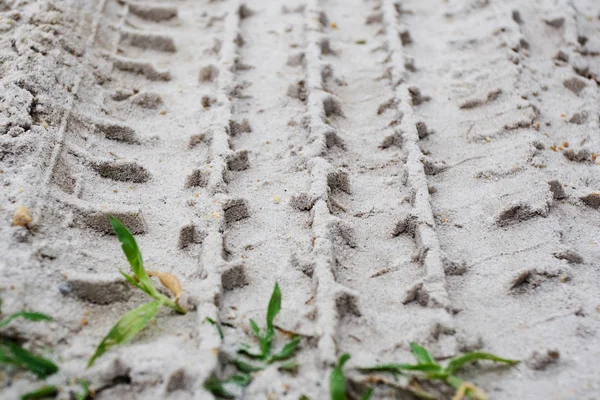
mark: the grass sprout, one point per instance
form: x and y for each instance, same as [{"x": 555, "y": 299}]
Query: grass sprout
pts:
[
  {"x": 12, "y": 353},
  {"x": 136, "y": 320},
  {"x": 217, "y": 326},
  {"x": 127, "y": 328},
  {"x": 267, "y": 336},
  {"x": 86, "y": 393},
  {"x": 427, "y": 366},
  {"x": 140, "y": 277},
  {"x": 41, "y": 393},
  {"x": 217, "y": 388},
  {"x": 264, "y": 355},
  {"x": 337, "y": 381}
]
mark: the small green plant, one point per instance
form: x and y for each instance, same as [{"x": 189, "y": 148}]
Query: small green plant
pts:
[
  {"x": 11, "y": 352},
  {"x": 264, "y": 355},
  {"x": 265, "y": 338},
  {"x": 85, "y": 393},
  {"x": 41, "y": 393},
  {"x": 136, "y": 320},
  {"x": 434, "y": 371},
  {"x": 217, "y": 326},
  {"x": 337, "y": 381},
  {"x": 217, "y": 388}
]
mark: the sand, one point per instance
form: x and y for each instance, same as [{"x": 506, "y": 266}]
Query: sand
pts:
[{"x": 405, "y": 170}]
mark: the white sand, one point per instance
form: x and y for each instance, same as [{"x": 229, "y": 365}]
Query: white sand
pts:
[{"x": 400, "y": 169}]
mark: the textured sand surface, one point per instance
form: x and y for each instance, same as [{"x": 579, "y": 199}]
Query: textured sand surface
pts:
[{"x": 406, "y": 170}]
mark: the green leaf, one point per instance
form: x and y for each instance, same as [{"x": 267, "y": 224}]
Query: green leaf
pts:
[
  {"x": 458, "y": 362},
  {"x": 132, "y": 252},
  {"x": 241, "y": 379},
  {"x": 137, "y": 284},
  {"x": 132, "y": 280},
  {"x": 12, "y": 353},
  {"x": 337, "y": 379},
  {"x": 216, "y": 325},
  {"x": 44, "y": 392},
  {"x": 246, "y": 367},
  {"x": 4, "y": 357},
  {"x": 255, "y": 329},
  {"x": 273, "y": 310},
  {"x": 422, "y": 355},
  {"x": 245, "y": 350},
  {"x": 399, "y": 368},
  {"x": 393, "y": 368},
  {"x": 367, "y": 395},
  {"x": 265, "y": 345},
  {"x": 151, "y": 291},
  {"x": 85, "y": 386},
  {"x": 127, "y": 328},
  {"x": 30, "y": 315},
  {"x": 454, "y": 381},
  {"x": 216, "y": 387},
  {"x": 290, "y": 366},
  {"x": 304, "y": 397},
  {"x": 288, "y": 350}
]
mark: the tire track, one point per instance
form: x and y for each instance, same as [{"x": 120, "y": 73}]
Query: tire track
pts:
[
  {"x": 417, "y": 165},
  {"x": 507, "y": 232},
  {"x": 261, "y": 177},
  {"x": 354, "y": 226},
  {"x": 61, "y": 133},
  {"x": 272, "y": 239},
  {"x": 41, "y": 96},
  {"x": 428, "y": 289},
  {"x": 139, "y": 163},
  {"x": 221, "y": 208},
  {"x": 430, "y": 177},
  {"x": 332, "y": 300}
]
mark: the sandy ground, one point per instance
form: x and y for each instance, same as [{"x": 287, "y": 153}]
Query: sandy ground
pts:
[{"x": 406, "y": 170}]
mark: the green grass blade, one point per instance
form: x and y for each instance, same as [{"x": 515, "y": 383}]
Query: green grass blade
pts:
[
  {"x": 4, "y": 357},
  {"x": 400, "y": 368},
  {"x": 216, "y": 325},
  {"x": 337, "y": 379},
  {"x": 393, "y": 368},
  {"x": 245, "y": 350},
  {"x": 30, "y": 315},
  {"x": 127, "y": 327},
  {"x": 152, "y": 292},
  {"x": 241, "y": 379},
  {"x": 130, "y": 279},
  {"x": 132, "y": 252},
  {"x": 422, "y": 355},
  {"x": 246, "y": 367},
  {"x": 273, "y": 310},
  {"x": 290, "y": 366},
  {"x": 458, "y": 362},
  {"x": 255, "y": 328},
  {"x": 454, "y": 381},
  {"x": 216, "y": 387},
  {"x": 135, "y": 283},
  {"x": 85, "y": 387},
  {"x": 12, "y": 353},
  {"x": 41, "y": 393},
  {"x": 288, "y": 350},
  {"x": 367, "y": 395},
  {"x": 265, "y": 345}
]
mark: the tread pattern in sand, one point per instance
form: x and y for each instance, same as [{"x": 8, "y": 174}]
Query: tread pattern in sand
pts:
[{"x": 405, "y": 170}]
